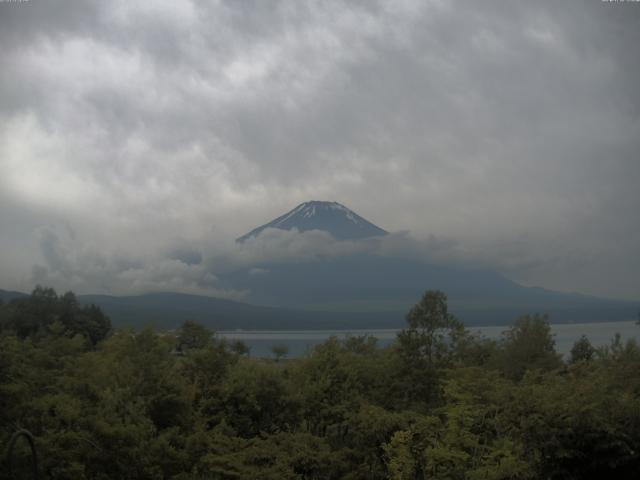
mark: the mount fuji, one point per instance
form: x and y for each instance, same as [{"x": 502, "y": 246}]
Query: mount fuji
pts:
[
  {"x": 360, "y": 289},
  {"x": 376, "y": 284},
  {"x": 332, "y": 217}
]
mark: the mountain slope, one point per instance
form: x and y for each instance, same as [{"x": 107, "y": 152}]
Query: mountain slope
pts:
[
  {"x": 375, "y": 284},
  {"x": 7, "y": 295},
  {"x": 371, "y": 307},
  {"x": 332, "y": 217},
  {"x": 169, "y": 310},
  {"x": 368, "y": 283}
]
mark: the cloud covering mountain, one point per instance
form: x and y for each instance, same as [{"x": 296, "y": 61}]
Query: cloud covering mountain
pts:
[{"x": 137, "y": 140}]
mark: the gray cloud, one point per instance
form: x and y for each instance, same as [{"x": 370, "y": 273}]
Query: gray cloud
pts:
[
  {"x": 69, "y": 264},
  {"x": 501, "y": 135}
]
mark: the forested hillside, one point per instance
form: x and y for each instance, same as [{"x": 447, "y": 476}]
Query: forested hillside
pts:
[{"x": 439, "y": 403}]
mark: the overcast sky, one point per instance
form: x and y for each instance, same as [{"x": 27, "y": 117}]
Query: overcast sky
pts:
[{"x": 139, "y": 138}]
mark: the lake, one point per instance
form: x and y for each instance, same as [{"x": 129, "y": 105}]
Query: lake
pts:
[{"x": 301, "y": 341}]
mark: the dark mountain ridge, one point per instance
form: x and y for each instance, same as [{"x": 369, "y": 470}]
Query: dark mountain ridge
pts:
[
  {"x": 169, "y": 310},
  {"x": 8, "y": 295},
  {"x": 368, "y": 283}
]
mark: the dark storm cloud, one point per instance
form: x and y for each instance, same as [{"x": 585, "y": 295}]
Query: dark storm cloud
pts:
[{"x": 503, "y": 134}]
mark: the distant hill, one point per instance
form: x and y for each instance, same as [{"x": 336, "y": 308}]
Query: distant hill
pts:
[
  {"x": 7, "y": 295},
  {"x": 169, "y": 310},
  {"x": 368, "y": 283},
  {"x": 384, "y": 285},
  {"x": 331, "y": 217}
]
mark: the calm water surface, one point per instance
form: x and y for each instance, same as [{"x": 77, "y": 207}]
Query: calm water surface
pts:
[{"x": 301, "y": 341}]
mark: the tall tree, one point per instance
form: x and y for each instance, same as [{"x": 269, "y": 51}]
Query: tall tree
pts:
[
  {"x": 529, "y": 344},
  {"x": 432, "y": 333},
  {"x": 194, "y": 336},
  {"x": 280, "y": 351},
  {"x": 582, "y": 350},
  {"x": 429, "y": 343}
]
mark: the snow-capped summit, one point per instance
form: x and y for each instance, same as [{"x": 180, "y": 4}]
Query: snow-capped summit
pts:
[{"x": 341, "y": 222}]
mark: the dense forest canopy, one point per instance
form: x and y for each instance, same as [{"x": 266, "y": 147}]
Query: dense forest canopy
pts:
[{"x": 440, "y": 403}]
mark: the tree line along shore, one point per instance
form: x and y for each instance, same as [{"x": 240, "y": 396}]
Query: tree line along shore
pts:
[{"x": 438, "y": 403}]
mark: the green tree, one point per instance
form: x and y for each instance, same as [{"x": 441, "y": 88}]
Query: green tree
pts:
[
  {"x": 399, "y": 456},
  {"x": 429, "y": 343},
  {"x": 575, "y": 425},
  {"x": 88, "y": 321},
  {"x": 529, "y": 344},
  {"x": 193, "y": 336},
  {"x": 45, "y": 313},
  {"x": 254, "y": 398},
  {"x": 240, "y": 348},
  {"x": 432, "y": 331},
  {"x": 33, "y": 314},
  {"x": 582, "y": 350},
  {"x": 279, "y": 351},
  {"x": 206, "y": 371}
]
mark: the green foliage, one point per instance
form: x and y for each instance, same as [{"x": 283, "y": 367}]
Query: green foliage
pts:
[
  {"x": 433, "y": 332},
  {"x": 463, "y": 438},
  {"x": 576, "y": 425},
  {"x": 439, "y": 404},
  {"x": 240, "y": 348},
  {"x": 257, "y": 398},
  {"x": 427, "y": 345},
  {"x": 193, "y": 336},
  {"x": 528, "y": 345},
  {"x": 582, "y": 350},
  {"x": 44, "y": 313},
  {"x": 401, "y": 461}
]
